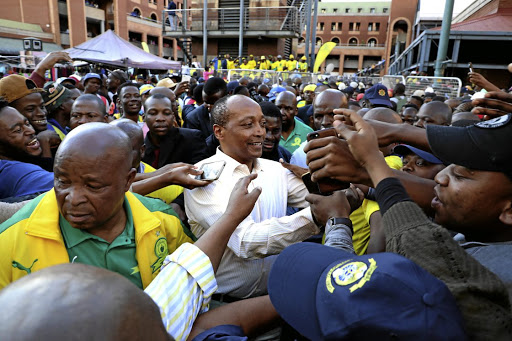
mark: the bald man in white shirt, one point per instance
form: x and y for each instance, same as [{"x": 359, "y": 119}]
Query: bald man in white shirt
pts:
[{"x": 239, "y": 125}]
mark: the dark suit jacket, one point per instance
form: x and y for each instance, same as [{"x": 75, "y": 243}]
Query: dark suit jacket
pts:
[
  {"x": 179, "y": 145},
  {"x": 200, "y": 119},
  {"x": 303, "y": 113}
]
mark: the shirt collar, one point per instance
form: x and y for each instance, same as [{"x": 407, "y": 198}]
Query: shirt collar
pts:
[
  {"x": 73, "y": 236},
  {"x": 232, "y": 164}
]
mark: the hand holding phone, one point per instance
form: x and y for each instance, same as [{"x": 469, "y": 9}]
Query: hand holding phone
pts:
[
  {"x": 322, "y": 133},
  {"x": 211, "y": 170},
  {"x": 324, "y": 186}
]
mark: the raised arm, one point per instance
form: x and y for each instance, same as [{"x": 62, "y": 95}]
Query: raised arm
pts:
[
  {"x": 38, "y": 76},
  {"x": 411, "y": 234}
]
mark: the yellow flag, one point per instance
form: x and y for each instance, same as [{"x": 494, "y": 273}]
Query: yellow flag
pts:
[
  {"x": 146, "y": 48},
  {"x": 322, "y": 54}
]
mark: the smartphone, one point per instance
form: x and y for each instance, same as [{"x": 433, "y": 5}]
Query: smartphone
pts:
[
  {"x": 470, "y": 67},
  {"x": 322, "y": 133},
  {"x": 211, "y": 170},
  {"x": 323, "y": 186}
]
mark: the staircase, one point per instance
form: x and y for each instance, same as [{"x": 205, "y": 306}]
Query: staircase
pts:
[
  {"x": 229, "y": 19},
  {"x": 185, "y": 44},
  {"x": 289, "y": 22}
]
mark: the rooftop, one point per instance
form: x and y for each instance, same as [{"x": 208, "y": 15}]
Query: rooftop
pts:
[{"x": 498, "y": 22}]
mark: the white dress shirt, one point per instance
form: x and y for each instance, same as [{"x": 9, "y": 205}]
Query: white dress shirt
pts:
[{"x": 244, "y": 269}]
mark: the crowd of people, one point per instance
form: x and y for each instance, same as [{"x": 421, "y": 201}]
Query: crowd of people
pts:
[
  {"x": 251, "y": 62},
  {"x": 213, "y": 210}
]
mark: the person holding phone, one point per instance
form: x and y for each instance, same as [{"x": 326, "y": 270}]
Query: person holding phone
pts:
[{"x": 239, "y": 125}]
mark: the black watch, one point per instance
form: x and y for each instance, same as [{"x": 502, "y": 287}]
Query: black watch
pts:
[{"x": 336, "y": 221}]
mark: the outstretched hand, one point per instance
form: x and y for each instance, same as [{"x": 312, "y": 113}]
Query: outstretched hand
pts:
[
  {"x": 180, "y": 174},
  {"x": 494, "y": 104},
  {"x": 325, "y": 207},
  {"x": 481, "y": 81},
  {"x": 297, "y": 170},
  {"x": 241, "y": 201},
  {"x": 363, "y": 145},
  {"x": 360, "y": 136}
]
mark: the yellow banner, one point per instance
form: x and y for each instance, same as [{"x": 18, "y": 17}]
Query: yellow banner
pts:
[
  {"x": 322, "y": 54},
  {"x": 146, "y": 48}
]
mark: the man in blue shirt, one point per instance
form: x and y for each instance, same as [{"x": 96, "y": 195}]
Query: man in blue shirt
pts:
[{"x": 173, "y": 19}]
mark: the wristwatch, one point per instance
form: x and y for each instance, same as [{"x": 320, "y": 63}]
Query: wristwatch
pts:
[
  {"x": 336, "y": 221},
  {"x": 339, "y": 221}
]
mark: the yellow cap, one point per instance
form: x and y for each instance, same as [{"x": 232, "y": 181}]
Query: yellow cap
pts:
[
  {"x": 145, "y": 88},
  {"x": 310, "y": 87},
  {"x": 303, "y": 58},
  {"x": 291, "y": 56}
]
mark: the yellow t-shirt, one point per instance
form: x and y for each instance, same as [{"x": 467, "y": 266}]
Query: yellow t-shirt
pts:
[
  {"x": 167, "y": 194},
  {"x": 265, "y": 65},
  {"x": 251, "y": 64},
  {"x": 118, "y": 116},
  {"x": 361, "y": 217}
]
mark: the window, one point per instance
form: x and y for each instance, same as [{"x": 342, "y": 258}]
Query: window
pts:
[
  {"x": 347, "y": 10},
  {"x": 336, "y": 40},
  {"x": 352, "y": 41},
  {"x": 372, "y": 42},
  {"x": 333, "y": 26},
  {"x": 153, "y": 17},
  {"x": 372, "y": 10},
  {"x": 136, "y": 13},
  {"x": 359, "y": 10},
  {"x": 385, "y": 10},
  {"x": 340, "y": 26},
  {"x": 334, "y": 10},
  {"x": 318, "y": 41},
  {"x": 377, "y": 27},
  {"x": 323, "y": 10},
  {"x": 370, "y": 27},
  {"x": 357, "y": 26},
  {"x": 320, "y": 26},
  {"x": 351, "y": 26}
]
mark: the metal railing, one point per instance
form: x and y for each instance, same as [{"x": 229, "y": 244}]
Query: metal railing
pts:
[
  {"x": 285, "y": 18},
  {"x": 306, "y": 77},
  {"x": 265, "y": 76},
  {"x": 443, "y": 86},
  {"x": 391, "y": 81}
]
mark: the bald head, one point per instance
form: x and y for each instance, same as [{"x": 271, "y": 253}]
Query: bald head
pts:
[
  {"x": 464, "y": 119},
  {"x": 321, "y": 88},
  {"x": 163, "y": 91},
  {"x": 323, "y": 107},
  {"x": 292, "y": 90},
  {"x": 335, "y": 97},
  {"x": 383, "y": 115},
  {"x": 453, "y": 103},
  {"x": 437, "y": 113},
  {"x": 288, "y": 96},
  {"x": 76, "y": 301},
  {"x": 96, "y": 140},
  {"x": 92, "y": 100},
  {"x": 134, "y": 132}
]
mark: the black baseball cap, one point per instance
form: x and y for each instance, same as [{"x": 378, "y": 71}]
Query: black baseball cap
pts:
[{"x": 483, "y": 146}]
